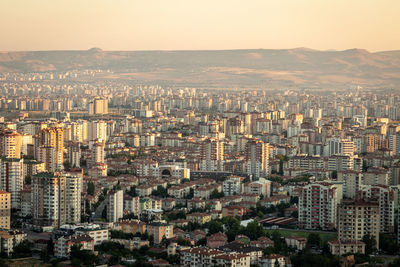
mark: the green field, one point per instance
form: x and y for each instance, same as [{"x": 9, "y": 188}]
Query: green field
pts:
[{"x": 325, "y": 236}]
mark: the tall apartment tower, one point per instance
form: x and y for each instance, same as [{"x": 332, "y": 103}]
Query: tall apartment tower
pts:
[
  {"x": 5, "y": 210},
  {"x": 257, "y": 155},
  {"x": 115, "y": 205},
  {"x": 97, "y": 130},
  {"x": 98, "y": 152},
  {"x": 212, "y": 155},
  {"x": 12, "y": 178},
  {"x": 318, "y": 206},
  {"x": 53, "y": 137},
  {"x": 10, "y": 144},
  {"x": 356, "y": 218},
  {"x": 73, "y": 184},
  {"x": 385, "y": 196},
  {"x": 98, "y": 106},
  {"x": 49, "y": 199}
]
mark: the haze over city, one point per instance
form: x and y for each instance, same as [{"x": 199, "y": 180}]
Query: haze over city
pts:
[{"x": 194, "y": 25}]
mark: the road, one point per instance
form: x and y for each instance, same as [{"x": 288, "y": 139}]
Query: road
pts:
[{"x": 99, "y": 211}]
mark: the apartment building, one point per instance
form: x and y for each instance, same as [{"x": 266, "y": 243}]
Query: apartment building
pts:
[
  {"x": 356, "y": 218},
  {"x": 115, "y": 205},
  {"x": 385, "y": 196},
  {"x": 318, "y": 206},
  {"x": 5, "y": 210}
]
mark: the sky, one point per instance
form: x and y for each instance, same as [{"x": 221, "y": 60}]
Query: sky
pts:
[{"x": 199, "y": 24}]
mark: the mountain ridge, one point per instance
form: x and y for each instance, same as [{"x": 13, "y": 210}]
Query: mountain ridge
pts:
[{"x": 239, "y": 67}]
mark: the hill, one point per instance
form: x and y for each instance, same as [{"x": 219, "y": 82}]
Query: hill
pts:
[{"x": 299, "y": 67}]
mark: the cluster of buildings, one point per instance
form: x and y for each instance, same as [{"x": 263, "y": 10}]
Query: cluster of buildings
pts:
[{"x": 145, "y": 151}]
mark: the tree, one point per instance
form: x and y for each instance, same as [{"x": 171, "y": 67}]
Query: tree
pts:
[
  {"x": 334, "y": 174},
  {"x": 82, "y": 257},
  {"x": 232, "y": 227},
  {"x": 370, "y": 244},
  {"x": 28, "y": 180},
  {"x": 90, "y": 188},
  {"x": 388, "y": 244},
  {"x": 314, "y": 239},
  {"x": 253, "y": 230},
  {"x": 216, "y": 194},
  {"x": 214, "y": 227},
  {"x": 160, "y": 192},
  {"x": 132, "y": 192},
  {"x": 395, "y": 263}
]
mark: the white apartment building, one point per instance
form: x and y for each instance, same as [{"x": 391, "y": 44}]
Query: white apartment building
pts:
[
  {"x": 115, "y": 205},
  {"x": 385, "y": 196},
  {"x": 318, "y": 206},
  {"x": 232, "y": 186},
  {"x": 12, "y": 178}
]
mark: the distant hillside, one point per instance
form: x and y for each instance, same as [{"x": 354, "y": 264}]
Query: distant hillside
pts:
[{"x": 299, "y": 67}]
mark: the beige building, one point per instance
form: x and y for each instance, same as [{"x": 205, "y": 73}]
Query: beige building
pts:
[
  {"x": 338, "y": 247},
  {"x": 98, "y": 106},
  {"x": 212, "y": 155},
  {"x": 160, "y": 230},
  {"x": 376, "y": 176},
  {"x": 5, "y": 210},
  {"x": 257, "y": 158},
  {"x": 351, "y": 182},
  {"x": 9, "y": 240},
  {"x": 356, "y": 218},
  {"x": 10, "y": 144},
  {"x": 53, "y": 137},
  {"x": 197, "y": 217}
]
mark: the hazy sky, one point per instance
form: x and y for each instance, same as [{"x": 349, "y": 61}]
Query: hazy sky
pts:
[{"x": 199, "y": 24}]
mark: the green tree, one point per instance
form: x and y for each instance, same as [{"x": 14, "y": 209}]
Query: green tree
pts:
[
  {"x": 388, "y": 243},
  {"x": 82, "y": 257},
  {"x": 232, "y": 227},
  {"x": 23, "y": 250},
  {"x": 253, "y": 230},
  {"x": 314, "y": 239},
  {"x": 214, "y": 227},
  {"x": 90, "y": 188},
  {"x": 216, "y": 194},
  {"x": 28, "y": 180},
  {"x": 370, "y": 244}
]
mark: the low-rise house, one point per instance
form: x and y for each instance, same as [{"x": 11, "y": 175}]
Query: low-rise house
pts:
[
  {"x": 160, "y": 230},
  {"x": 262, "y": 242},
  {"x": 198, "y": 217},
  {"x": 233, "y": 259},
  {"x": 132, "y": 226},
  {"x": 216, "y": 240},
  {"x": 62, "y": 246},
  {"x": 338, "y": 247},
  {"x": 131, "y": 244},
  {"x": 233, "y": 211},
  {"x": 273, "y": 260},
  {"x": 199, "y": 257},
  {"x": 168, "y": 203},
  {"x": 9, "y": 240},
  {"x": 255, "y": 253},
  {"x": 297, "y": 242},
  {"x": 196, "y": 203}
]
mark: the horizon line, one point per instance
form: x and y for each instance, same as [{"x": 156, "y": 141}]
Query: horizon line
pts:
[{"x": 197, "y": 50}]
